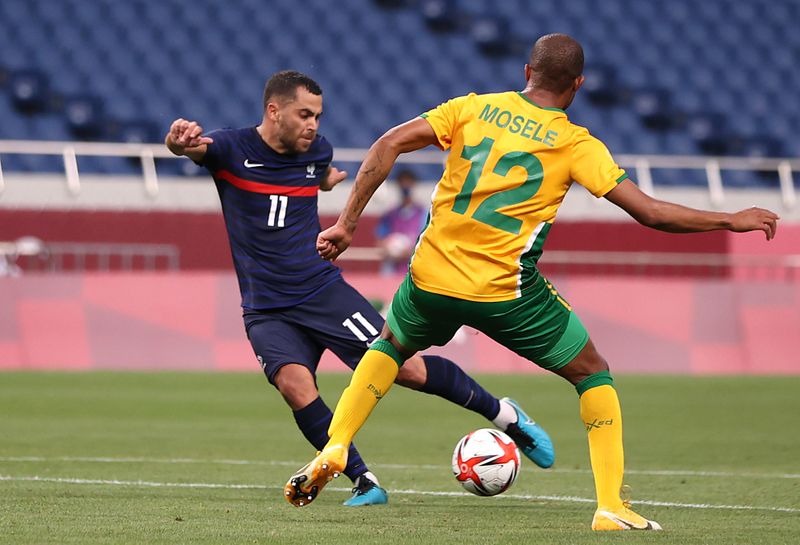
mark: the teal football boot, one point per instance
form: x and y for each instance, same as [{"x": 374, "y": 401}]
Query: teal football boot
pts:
[
  {"x": 530, "y": 437},
  {"x": 367, "y": 492}
]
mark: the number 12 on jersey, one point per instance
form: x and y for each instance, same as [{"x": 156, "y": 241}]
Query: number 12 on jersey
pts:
[
  {"x": 487, "y": 210},
  {"x": 277, "y": 210}
]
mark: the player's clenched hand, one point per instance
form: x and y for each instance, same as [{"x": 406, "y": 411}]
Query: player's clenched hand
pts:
[
  {"x": 183, "y": 135},
  {"x": 332, "y": 177},
  {"x": 755, "y": 219},
  {"x": 333, "y": 241}
]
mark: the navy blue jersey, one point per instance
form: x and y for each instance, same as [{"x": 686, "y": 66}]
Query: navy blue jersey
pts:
[{"x": 269, "y": 202}]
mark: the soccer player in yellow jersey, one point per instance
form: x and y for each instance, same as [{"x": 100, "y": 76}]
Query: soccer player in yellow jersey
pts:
[{"x": 512, "y": 159}]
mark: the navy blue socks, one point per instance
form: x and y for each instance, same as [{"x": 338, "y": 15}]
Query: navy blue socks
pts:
[{"x": 448, "y": 380}]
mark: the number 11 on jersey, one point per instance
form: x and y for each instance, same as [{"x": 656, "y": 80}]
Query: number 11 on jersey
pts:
[{"x": 277, "y": 210}]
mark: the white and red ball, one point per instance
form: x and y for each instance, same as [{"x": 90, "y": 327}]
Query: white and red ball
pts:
[{"x": 486, "y": 462}]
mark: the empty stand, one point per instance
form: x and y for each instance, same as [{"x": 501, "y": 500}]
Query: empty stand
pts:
[{"x": 680, "y": 77}]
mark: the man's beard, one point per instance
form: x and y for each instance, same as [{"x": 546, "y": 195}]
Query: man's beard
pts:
[{"x": 292, "y": 145}]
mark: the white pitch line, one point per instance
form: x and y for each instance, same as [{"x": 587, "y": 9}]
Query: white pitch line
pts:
[
  {"x": 144, "y": 460},
  {"x": 410, "y": 492},
  {"x": 297, "y": 463},
  {"x": 689, "y": 473}
]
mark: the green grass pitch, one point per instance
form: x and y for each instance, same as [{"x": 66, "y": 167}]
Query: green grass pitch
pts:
[{"x": 134, "y": 458}]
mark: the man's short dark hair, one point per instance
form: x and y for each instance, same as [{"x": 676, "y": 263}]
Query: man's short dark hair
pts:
[
  {"x": 283, "y": 85},
  {"x": 556, "y": 60}
]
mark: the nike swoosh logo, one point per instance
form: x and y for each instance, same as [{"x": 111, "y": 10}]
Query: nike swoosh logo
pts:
[
  {"x": 248, "y": 164},
  {"x": 627, "y": 525}
]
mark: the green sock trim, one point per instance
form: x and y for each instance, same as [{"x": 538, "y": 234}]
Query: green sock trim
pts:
[
  {"x": 382, "y": 345},
  {"x": 592, "y": 381}
]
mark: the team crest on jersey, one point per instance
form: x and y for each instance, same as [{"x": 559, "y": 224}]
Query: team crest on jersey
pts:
[{"x": 310, "y": 170}]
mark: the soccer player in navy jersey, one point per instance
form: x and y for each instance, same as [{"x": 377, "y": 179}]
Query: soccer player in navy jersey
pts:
[{"x": 295, "y": 303}]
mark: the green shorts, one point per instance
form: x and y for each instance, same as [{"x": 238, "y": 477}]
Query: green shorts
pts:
[{"x": 539, "y": 326}]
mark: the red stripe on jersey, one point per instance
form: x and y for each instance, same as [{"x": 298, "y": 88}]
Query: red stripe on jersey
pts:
[{"x": 257, "y": 187}]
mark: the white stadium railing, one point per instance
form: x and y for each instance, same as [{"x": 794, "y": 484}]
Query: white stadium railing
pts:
[
  {"x": 151, "y": 257},
  {"x": 642, "y": 165}
]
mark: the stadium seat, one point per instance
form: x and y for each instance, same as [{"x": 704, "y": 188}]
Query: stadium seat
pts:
[
  {"x": 709, "y": 131},
  {"x": 601, "y": 85},
  {"x": 492, "y": 35},
  {"x": 761, "y": 146},
  {"x": 679, "y": 177},
  {"x": 746, "y": 179},
  {"x": 654, "y": 108},
  {"x": 84, "y": 116},
  {"x": 33, "y": 163},
  {"x": 440, "y": 15},
  {"x": 132, "y": 132},
  {"x": 29, "y": 91}
]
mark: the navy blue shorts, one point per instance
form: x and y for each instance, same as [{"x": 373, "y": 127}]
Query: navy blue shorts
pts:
[{"x": 337, "y": 318}]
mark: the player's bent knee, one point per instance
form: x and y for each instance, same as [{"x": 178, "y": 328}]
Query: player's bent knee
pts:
[
  {"x": 588, "y": 362},
  {"x": 413, "y": 373},
  {"x": 296, "y": 384}
]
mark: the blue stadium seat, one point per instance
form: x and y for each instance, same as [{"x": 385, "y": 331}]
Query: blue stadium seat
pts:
[
  {"x": 654, "y": 108},
  {"x": 440, "y": 15},
  {"x": 709, "y": 131},
  {"x": 760, "y": 146},
  {"x": 132, "y": 132},
  {"x": 679, "y": 177},
  {"x": 33, "y": 163},
  {"x": 15, "y": 55},
  {"x": 742, "y": 125},
  {"x": 30, "y": 91},
  {"x": 84, "y": 116},
  {"x": 689, "y": 100},
  {"x": 492, "y": 35},
  {"x": 51, "y": 124},
  {"x": 746, "y": 179},
  {"x": 14, "y": 126},
  {"x": 601, "y": 84}
]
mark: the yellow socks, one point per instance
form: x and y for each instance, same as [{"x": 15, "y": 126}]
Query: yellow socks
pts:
[
  {"x": 602, "y": 417},
  {"x": 372, "y": 378}
]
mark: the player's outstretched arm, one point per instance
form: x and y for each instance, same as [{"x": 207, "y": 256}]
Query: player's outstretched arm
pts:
[
  {"x": 186, "y": 138},
  {"x": 410, "y": 136},
  {"x": 674, "y": 218}
]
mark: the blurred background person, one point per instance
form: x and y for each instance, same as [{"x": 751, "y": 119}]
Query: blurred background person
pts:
[{"x": 398, "y": 228}]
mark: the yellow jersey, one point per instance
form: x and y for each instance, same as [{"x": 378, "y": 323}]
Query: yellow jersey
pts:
[{"x": 510, "y": 165}]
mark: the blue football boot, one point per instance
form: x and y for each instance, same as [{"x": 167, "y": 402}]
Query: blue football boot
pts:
[
  {"x": 530, "y": 437},
  {"x": 367, "y": 492}
]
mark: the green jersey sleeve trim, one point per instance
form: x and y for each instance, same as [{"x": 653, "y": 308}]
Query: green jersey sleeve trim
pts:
[
  {"x": 540, "y": 107},
  {"x": 424, "y": 116},
  {"x": 622, "y": 178}
]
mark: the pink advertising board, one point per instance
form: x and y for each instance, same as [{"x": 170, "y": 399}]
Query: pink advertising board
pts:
[{"x": 192, "y": 321}]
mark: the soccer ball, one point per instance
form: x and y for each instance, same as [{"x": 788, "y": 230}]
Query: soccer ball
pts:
[{"x": 486, "y": 462}]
